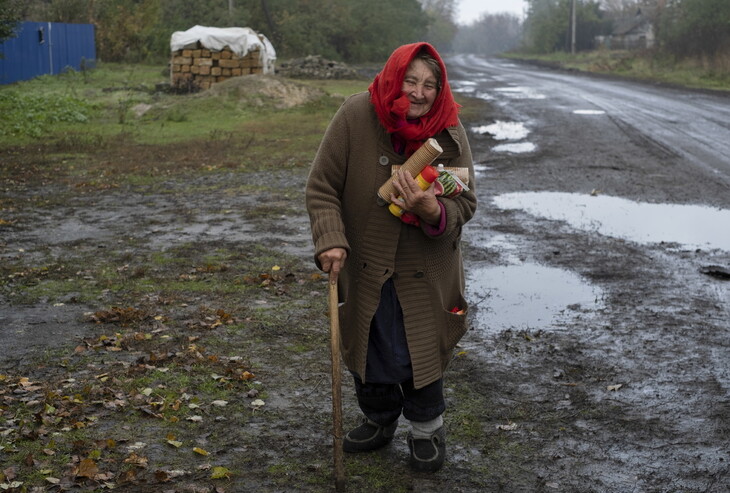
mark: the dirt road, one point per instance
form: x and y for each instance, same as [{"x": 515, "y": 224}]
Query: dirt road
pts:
[{"x": 599, "y": 355}]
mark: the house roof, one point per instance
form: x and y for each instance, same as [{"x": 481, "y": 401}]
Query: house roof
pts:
[{"x": 630, "y": 25}]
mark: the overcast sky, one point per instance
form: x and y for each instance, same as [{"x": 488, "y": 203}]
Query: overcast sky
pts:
[{"x": 470, "y": 10}]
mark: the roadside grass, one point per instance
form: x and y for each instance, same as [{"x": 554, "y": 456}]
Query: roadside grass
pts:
[
  {"x": 114, "y": 125},
  {"x": 643, "y": 65}
]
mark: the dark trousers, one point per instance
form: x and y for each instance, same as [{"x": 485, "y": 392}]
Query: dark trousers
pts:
[{"x": 384, "y": 402}]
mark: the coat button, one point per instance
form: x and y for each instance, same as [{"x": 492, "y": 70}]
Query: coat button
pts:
[
  {"x": 384, "y": 160},
  {"x": 419, "y": 274}
]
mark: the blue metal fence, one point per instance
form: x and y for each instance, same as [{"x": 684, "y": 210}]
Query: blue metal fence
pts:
[{"x": 46, "y": 48}]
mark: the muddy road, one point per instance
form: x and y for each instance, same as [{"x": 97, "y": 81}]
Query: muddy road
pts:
[
  {"x": 603, "y": 202},
  {"x": 598, "y": 358}
]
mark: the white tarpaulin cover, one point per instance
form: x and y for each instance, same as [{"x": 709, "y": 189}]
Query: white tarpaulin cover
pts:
[{"x": 240, "y": 40}]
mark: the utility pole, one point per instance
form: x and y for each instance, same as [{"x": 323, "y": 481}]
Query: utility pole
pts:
[
  {"x": 230, "y": 10},
  {"x": 572, "y": 28}
]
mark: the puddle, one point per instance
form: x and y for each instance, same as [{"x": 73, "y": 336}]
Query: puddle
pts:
[
  {"x": 460, "y": 82},
  {"x": 480, "y": 169},
  {"x": 589, "y": 112},
  {"x": 463, "y": 86},
  {"x": 509, "y": 250},
  {"x": 520, "y": 93},
  {"x": 501, "y": 130},
  {"x": 518, "y": 148},
  {"x": 691, "y": 226},
  {"x": 527, "y": 296},
  {"x": 484, "y": 95}
]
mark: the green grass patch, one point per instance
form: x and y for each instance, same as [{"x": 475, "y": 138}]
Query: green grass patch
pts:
[
  {"x": 32, "y": 115},
  {"x": 113, "y": 126},
  {"x": 644, "y": 65}
]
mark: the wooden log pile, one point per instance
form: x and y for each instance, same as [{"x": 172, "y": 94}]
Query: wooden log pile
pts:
[{"x": 197, "y": 68}]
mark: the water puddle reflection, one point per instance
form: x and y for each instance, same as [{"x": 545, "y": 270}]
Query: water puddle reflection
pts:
[
  {"x": 463, "y": 86},
  {"x": 527, "y": 296},
  {"x": 520, "y": 93},
  {"x": 518, "y": 148},
  {"x": 691, "y": 226},
  {"x": 481, "y": 169},
  {"x": 501, "y": 130},
  {"x": 484, "y": 95},
  {"x": 589, "y": 112}
]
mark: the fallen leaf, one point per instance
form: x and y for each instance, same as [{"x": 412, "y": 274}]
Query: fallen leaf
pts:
[
  {"x": 508, "y": 427},
  {"x": 136, "y": 460},
  {"x": 613, "y": 388},
  {"x": 220, "y": 403},
  {"x": 162, "y": 476},
  {"x": 195, "y": 419},
  {"x": 200, "y": 451},
  {"x": 220, "y": 472},
  {"x": 175, "y": 443},
  {"x": 9, "y": 473},
  {"x": 258, "y": 403},
  {"x": 87, "y": 469},
  {"x": 247, "y": 375}
]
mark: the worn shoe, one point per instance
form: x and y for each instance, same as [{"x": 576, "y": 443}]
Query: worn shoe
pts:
[
  {"x": 427, "y": 454},
  {"x": 368, "y": 436}
]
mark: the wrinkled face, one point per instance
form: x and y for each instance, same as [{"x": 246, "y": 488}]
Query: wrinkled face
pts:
[{"x": 421, "y": 87}]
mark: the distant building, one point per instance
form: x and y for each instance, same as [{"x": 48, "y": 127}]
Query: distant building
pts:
[{"x": 631, "y": 33}]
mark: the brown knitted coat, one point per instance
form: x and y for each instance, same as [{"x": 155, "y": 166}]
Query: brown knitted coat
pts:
[{"x": 353, "y": 161}]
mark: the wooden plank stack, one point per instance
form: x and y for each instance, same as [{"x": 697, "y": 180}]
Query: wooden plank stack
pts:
[{"x": 197, "y": 68}]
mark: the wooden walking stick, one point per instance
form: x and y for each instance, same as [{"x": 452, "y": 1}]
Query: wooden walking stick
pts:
[{"x": 336, "y": 385}]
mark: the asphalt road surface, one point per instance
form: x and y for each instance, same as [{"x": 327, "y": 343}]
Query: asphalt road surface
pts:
[
  {"x": 692, "y": 126},
  {"x": 595, "y": 271}
]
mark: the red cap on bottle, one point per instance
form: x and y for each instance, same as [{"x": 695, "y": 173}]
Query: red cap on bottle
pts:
[{"x": 429, "y": 174}]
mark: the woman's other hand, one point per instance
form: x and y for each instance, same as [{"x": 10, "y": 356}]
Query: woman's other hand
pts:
[
  {"x": 411, "y": 198},
  {"x": 333, "y": 260}
]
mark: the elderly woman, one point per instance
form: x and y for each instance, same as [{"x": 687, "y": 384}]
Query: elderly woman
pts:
[{"x": 401, "y": 283}]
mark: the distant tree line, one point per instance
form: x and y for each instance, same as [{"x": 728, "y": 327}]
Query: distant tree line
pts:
[
  {"x": 694, "y": 27},
  {"x": 362, "y": 31},
  {"x": 9, "y": 15},
  {"x": 682, "y": 27},
  {"x": 489, "y": 35},
  {"x": 548, "y": 25},
  {"x": 347, "y": 30}
]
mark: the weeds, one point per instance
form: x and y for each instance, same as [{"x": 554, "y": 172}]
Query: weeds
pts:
[
  {"x": 33, "y": 115},
  {"x": 647, "y": 65}
]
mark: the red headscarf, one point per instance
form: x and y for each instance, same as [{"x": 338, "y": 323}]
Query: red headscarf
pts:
[{"x": 391, "y": 104}]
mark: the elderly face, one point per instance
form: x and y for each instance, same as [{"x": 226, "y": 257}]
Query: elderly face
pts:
[{"x": 421, "y": 87}]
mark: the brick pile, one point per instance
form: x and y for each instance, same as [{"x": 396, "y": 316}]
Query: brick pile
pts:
[{"x": 197, "y": 68}]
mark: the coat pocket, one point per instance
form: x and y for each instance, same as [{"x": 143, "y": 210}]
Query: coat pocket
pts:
[{"x": 454, "y": 328}]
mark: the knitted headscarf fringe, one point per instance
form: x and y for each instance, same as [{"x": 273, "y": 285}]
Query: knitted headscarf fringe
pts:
[{"x": 391, "y": 104}]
